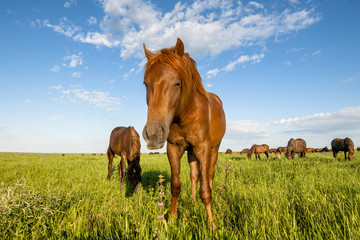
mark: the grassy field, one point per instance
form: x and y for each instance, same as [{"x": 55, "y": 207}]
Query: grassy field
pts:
[{"x": 67, "y": 197}]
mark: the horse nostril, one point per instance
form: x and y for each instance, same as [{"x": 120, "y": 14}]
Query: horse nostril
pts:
[
  {"x": 162, "y": 131},
  {"x": 146, "y": 132}
]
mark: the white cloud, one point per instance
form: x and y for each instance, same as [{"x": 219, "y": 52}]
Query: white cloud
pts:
[
  {"x": 92, "y": 20},
  {"x": 257, "y": 5},
  {"x": 256, "y": 58},
  {"x": 55, "y": 118},
  {"x": 27, "y": 101},
  {"x": 64, "y": 27},
  {"x": 58, "y": 87},
  {"x": 350, "y": 79},
  {"x": 73, "y": 60},
  {"x": 212, "y": 73},
  {"x": 68, "y": 4},
  {"x": 206, "y": 27},
  {"x": 56, "y": 68},
  {"x": 295, "y": 50},
  {"x": 317, "y": 129},
  {"x": 287, "y": 63},
  {"x": 76, "y": 74},
  {"x": 316, "y": 52},
  {"x": 95, "y": 98}
]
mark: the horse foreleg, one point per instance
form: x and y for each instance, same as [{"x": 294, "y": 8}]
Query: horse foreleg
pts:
[
  {"x": 345, "y": 155},
  {"x": 203, "y": 154},
  {"x": 110, "y": 155},
  {"x": 174, "y": 155},
  {"x": 214, "y": 156},
  {"x": 194, "y": 173}
]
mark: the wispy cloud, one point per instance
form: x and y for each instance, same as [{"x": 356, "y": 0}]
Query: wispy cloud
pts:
[
  {"x": 256, "y": 58},
  {"x": 76, "y": 74},
  {"x": 56, "y": 68},
  {"x": 55, "y": 118},
  {"x": 206, "y": 27},
  {"x": 72, "y": 61},
  {"x": 92, "y": 20},
  {"x": 95, "y": 98},
  {"x": 345, "y": 122},
  {"x": 68, "y": 4},
  {"x": 350, "y": 79}
]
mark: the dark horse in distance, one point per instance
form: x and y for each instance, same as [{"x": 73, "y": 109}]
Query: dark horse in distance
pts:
[
  {"x": 183, "y": 113},
  {"x": 125, "y": 143},
  {"x": 257, "y": 149},
  {"x": 296, "y": 146},
  {"x": 345, "y": 145}
]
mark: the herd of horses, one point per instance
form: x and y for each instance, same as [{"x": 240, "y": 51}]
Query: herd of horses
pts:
[
  {"x": 183, "y": 114},
  {"x": 298, "y": 146}
]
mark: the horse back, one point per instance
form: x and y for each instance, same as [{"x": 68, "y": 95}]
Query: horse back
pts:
[{"x": 119, "y": 139}]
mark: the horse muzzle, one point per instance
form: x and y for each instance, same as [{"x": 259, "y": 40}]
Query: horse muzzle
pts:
[{"x": 155, "y": 136}]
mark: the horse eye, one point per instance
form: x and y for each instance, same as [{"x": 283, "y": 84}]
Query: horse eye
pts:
[
  {"x": 177, "y": 84},
  {"x": 145, "y": 84}
]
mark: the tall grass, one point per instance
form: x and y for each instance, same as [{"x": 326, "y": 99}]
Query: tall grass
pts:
[{"x": 61, "y": 197}]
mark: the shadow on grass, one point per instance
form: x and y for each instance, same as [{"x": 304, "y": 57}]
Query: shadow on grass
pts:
[{"x": 150, "y": 179}]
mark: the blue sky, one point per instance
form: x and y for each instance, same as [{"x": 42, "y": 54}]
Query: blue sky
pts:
[{"x": 71, "y": 71}]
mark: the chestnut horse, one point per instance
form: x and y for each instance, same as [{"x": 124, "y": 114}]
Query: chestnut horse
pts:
[
  {"x": 296, "y": 146},
  {"x": 125, "y": 143},
  {"x": 280, "y": 150},
  {"x": 257, "y": 149},
  {"x": 181, "y": 112},
  {"x": 345, "y": 145}
]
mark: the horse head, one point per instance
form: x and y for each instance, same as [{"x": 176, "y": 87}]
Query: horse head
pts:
[{"x": 164, "y": 86}]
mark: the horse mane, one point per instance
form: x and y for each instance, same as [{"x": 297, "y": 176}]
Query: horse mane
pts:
[
  {"x": 185, "y": 66},
  {"x": 251, "y": 151}
]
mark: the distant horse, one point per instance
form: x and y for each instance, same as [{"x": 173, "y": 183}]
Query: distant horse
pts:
[
  {"x": 125, "y": 143},
  {"x": 245, "y": 151},
  {"x": 280, "y": 150},
  {"x": 228, "y": 151},
  {"x": 181, "y": 112},
  {"x": 296, "y": 146},
  {"x": 358, "y": 148},
  {"x": 309, "y": 150},
  {"x": 257, "y": 149},
  {"x": 345, "y": 145},
  {"x": 325, "y": 149}
]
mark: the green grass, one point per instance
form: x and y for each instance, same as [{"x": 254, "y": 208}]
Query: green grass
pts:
[{"x": 68, "y": 197}]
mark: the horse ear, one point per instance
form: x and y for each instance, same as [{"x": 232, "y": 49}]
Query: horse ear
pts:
[
  {"x": 148, "y": 54},
  {"x": 179, "y": 47}
]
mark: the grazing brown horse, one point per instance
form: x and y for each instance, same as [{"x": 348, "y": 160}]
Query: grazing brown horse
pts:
[
  {"x": 245, "y": 151},
  {"x": 125, "y": 143},
  {"x": 181, "y": 112},
  {"x": 296, "y": 146},
  {"x": 345, "y": 145},
  {"x": 280, "y": 150},
  {"x": 228, "y": 151},
  {"x": 309, "y": 150},
  {"x": 257, "y": 149}
]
